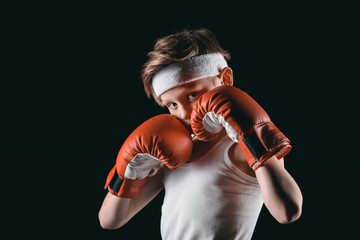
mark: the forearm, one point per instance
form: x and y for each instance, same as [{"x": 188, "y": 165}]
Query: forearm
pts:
[
  {"x": 113, "y": 212},
  {"x": 116, "y": 211},
  {"x": 281, "y": 194}
]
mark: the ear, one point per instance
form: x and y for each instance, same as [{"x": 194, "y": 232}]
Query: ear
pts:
[{"x": 226, "y": 76}]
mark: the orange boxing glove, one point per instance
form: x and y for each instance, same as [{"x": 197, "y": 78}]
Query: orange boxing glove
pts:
[
  {"x": 244, "y": 120},
  {"x": 161, "y": 139}
]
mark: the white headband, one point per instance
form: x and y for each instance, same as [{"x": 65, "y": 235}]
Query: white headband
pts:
[{"x": 194, "y": 68}]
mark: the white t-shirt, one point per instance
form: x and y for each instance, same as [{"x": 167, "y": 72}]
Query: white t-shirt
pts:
[{"x": 210, "y": 198}]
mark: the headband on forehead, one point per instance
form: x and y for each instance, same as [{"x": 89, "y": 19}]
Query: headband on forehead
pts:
[{"x": 194, "y": 68}]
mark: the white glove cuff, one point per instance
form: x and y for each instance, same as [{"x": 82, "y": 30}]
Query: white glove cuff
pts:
[
  {"x": 214, "y": 123},
  {"x": 141, "y": 165}
]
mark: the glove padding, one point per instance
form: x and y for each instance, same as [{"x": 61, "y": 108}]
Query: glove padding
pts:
[
  {"x": 162, "y": 139},
  {"x": 244, "y": 120}
]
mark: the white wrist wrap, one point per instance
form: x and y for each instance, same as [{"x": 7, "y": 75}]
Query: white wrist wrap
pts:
[{"x": 194, "y": 68}]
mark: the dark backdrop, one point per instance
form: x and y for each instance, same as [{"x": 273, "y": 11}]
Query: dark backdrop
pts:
[{"x": 72, "y": 93}]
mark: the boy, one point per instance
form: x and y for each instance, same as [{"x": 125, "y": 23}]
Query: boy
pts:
[{"x": 217, "y": 189}]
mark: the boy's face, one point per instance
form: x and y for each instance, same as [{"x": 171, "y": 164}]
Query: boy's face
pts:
[{"x": 181, "y": 100}]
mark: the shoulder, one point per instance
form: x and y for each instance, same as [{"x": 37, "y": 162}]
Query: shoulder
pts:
[{"x": 237, "y": 157}]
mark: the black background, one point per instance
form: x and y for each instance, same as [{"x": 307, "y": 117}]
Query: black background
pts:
[{"x": 72, "y": 93}]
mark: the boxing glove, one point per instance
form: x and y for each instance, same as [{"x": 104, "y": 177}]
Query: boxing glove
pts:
[
  {"x": 162, "y": 139},
  {"x": 245, "y": 122}
]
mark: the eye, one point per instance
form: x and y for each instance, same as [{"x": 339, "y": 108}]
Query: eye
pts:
[
  {"x": 192, "y": 95},
  {"x": 171, "y": 105}
]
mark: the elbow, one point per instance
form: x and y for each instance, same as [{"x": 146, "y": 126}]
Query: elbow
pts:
[
  {"x": 289, "y": 218},
  {"x": 108, "y": 224},
  {"x": 290, "y": 214},
  {"x": 105, "y": 223}
]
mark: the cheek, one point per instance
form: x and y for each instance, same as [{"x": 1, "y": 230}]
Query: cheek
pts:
[{"x": 172, "y": 112}]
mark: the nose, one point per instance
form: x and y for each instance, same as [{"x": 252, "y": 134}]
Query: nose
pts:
[{"x": 185, "y": 112}]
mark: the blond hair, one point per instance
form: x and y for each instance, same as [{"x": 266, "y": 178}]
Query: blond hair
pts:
[{"x": 178, "y": 47}]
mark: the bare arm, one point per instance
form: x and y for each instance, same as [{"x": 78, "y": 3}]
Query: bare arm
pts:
[
  {"x": 115, "y": 211},
  {"x": 281, "y": 194}
]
